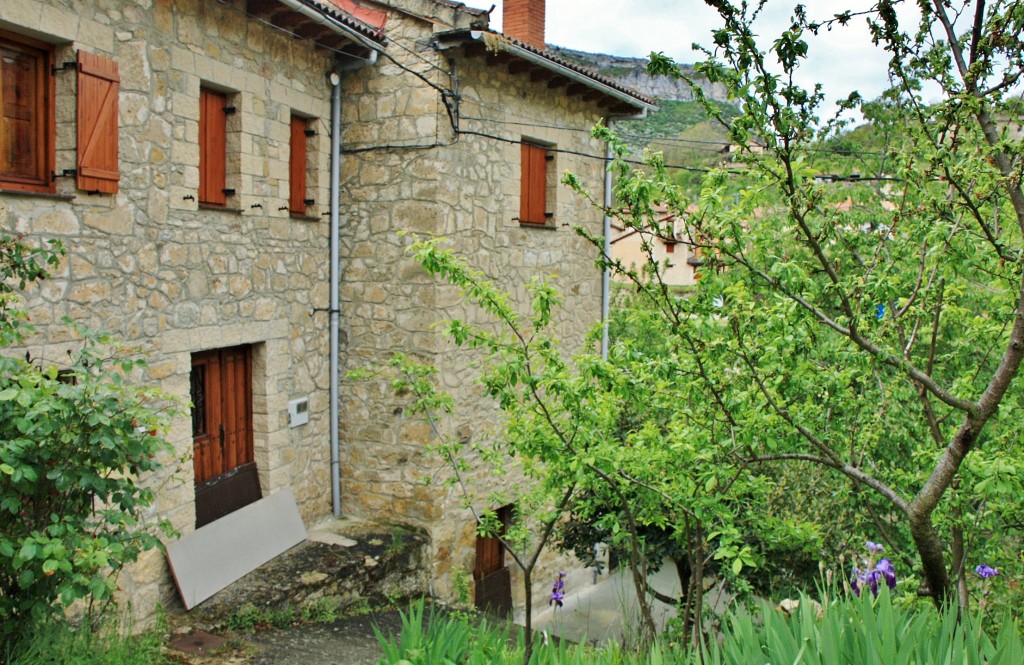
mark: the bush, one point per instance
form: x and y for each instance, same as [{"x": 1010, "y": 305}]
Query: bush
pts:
[{"x": 72, "y": 444}]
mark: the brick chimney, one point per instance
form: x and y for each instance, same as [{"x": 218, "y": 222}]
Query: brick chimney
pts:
[{"x": 524, "y": 20}]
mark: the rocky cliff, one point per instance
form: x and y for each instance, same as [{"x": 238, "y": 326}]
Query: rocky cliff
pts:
[{"x": 630, "y": 72}]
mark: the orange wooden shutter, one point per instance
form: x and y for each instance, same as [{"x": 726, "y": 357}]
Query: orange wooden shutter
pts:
[
  {"x": 213, "y": 128},
  {"x": 533, "y": 187},
  {"x": 297, "y": 167},
  {"x": 98, "y": 86}
]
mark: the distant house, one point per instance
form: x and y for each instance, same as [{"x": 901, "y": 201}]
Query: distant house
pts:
[
  {"x": 182, "y": 150},
  {"x": 667, "y": 253}
]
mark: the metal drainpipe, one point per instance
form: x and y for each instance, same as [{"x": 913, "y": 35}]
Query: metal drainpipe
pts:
[
  {"x": 606, "y": 276},
  {"x": 335, "y": 80},
  {"x": 335, "y": 290}
]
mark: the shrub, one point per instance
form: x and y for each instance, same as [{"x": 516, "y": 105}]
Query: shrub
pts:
[{"x": 73, "y": 443}]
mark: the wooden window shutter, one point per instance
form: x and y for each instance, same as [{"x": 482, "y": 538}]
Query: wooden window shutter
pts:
[
  {"x": 213, "y": 129},
  {"x": 98, "y": 86},
  {"x": 297, "y": 167},
  {"x": 533, "y": 187}
]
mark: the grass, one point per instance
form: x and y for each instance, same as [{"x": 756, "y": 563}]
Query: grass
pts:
[
  {"x": 251, "y": 618},
  {"x": 853, "y": 631},
  {"x": 59, "y": 642}
]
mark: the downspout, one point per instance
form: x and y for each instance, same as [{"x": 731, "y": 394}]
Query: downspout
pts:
[
  {"x": 335, "y": 286},
  {"x": 335, "y": 306},
  {"x": 606, "y": 276}
]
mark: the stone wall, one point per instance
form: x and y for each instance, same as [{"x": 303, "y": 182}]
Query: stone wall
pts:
[
  {"x": 422, "y": 178},
  {"x": 171, "y": 279}
]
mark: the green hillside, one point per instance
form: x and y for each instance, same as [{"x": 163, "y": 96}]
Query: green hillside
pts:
[{"x": 690, "y": 141}]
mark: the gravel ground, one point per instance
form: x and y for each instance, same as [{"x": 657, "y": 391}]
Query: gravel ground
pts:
[{"x": 347, "y": 641}]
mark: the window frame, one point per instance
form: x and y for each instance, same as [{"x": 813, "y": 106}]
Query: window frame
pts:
[{"x": 43, "y": 137}]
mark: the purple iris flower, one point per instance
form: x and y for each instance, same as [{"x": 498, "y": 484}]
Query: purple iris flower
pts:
[
  {"x": 873, "y": 548},
  {"x": 558, "y": 590},
  {"x": 871, "y": 578},
  {"x": 986, "y": 571}
]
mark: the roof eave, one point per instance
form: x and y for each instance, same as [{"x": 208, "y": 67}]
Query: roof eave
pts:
[
  {"x": 539, "y": 60},
  {"x": 321, "y": 14}
]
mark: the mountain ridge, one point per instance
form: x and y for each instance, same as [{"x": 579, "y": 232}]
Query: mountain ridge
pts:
[{"x": 632, "y": 72}]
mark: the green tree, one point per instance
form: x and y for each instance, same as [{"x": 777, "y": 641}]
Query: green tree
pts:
[
  {"x": 73, "y": 444},
  {"x": 874, "y": 328}
]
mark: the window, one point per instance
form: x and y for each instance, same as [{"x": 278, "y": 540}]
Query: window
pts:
[
  {"x": 297, "y": 165},
  {"x": 536, "y": 181},
  {"x": 26, "y": 114},
  {"x": 213, "y": 131}
]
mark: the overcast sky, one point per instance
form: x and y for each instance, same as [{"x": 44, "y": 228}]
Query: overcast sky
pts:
[{"x": 843, "y": 59}]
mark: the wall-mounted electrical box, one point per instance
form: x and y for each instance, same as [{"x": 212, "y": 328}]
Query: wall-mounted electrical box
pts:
[{"x": 298, "y": 412}]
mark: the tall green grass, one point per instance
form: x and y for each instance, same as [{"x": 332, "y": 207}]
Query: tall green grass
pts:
[
  {"x": 863, "y": 631},
  {"x": 850, "y": 631},
  {"x": 57, "y": 642}
]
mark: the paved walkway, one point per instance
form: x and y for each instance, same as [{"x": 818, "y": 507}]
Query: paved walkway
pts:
[
  {"x": 595, "y": 612},
  {"x": 606, "y": 610}
]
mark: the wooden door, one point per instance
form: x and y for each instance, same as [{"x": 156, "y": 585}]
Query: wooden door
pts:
[
  {"x": 492, "y": 578},
  {"x": 222, "y": 441}
]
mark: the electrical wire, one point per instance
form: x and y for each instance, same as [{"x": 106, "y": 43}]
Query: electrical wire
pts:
[
  {"x": 447, "y": 97},
  {"x": 528, "y": 124}
]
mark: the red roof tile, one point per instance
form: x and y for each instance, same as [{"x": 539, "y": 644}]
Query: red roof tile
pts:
[{"x": 372, "y": 17}]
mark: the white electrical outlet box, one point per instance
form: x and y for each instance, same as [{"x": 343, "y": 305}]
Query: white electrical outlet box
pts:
[{"x": 298, "y": 412}]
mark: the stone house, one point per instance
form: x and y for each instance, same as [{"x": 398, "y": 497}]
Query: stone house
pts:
[{"x": 182, "y": 151}]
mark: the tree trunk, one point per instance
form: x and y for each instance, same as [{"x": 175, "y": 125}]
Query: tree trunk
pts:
[
  {"x": 933, "y": 563},
  {"x": 528, "y": 630},
  {"x": 697, "y": 575}
]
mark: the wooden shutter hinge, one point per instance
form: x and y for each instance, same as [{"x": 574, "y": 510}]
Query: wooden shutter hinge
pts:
[
  {"x": 309, "y": 202},
  {"x": 228, "y": 110},
  {"x": 66, "y": 173},
  {"x": 228, "y": 192},
  {"x": 309, "y": 132}
]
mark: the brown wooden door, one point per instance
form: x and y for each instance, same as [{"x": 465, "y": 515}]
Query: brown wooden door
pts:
[
  {"x": 492, "y": 578},
  {"x": 222, "y": 441}
]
